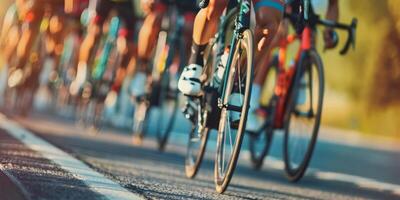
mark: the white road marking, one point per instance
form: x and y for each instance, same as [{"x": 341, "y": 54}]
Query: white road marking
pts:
[
  {"x": 362, "y": 182},
  {"x": 94, "y": 180}
]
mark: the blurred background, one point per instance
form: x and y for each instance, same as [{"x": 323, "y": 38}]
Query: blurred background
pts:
[{"x": 363, "y": 87}]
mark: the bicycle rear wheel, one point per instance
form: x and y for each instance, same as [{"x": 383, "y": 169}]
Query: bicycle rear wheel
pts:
[
  {"x": 167, "y": 94},
  {"x": 303, "y": 115},
  {"x": 168, "y": 100},
  {"x": 260, "y": 141},
  {"x": 231, "y": 131}
]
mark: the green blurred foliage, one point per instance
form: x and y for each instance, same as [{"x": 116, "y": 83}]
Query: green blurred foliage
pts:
[{"x": 369, "y": 77}]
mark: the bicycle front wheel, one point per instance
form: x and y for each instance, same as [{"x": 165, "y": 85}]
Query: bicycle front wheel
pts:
[
  {"x": 168, "y": 99},
  {"x": 233, "y": 116},
  {"x": 303, "y": 115}
]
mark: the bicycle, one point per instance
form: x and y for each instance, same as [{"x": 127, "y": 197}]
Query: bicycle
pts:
[
  {"x": 65, "y": 95},
  {"x": 212, "y": 109},
  {"x": 99, "y": 88},
  {"x": 294, "y": 97},
  {"x": 163, "y": 94}
]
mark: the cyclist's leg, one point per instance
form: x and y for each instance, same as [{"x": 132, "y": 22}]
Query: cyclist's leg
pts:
[
  {"x": 269, "y": 14},
  {"x": 147, "y": 40},
  {"x": 205, "y": 27},
  {"x": 149, "y": 32},
  {"x": 128, "y": 47}
]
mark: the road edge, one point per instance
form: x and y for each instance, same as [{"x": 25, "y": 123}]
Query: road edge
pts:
[{"x": 93, "y": 179}]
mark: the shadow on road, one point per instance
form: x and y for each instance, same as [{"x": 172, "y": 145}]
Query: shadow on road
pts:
[{"x": 117, "y": 153}]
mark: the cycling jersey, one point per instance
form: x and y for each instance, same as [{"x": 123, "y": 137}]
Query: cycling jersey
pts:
[{"x": 275, "y": 4}]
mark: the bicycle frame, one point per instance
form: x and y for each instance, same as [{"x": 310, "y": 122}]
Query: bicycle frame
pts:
[
  {"x": 173, "y": 41},
  {"x": 240, "y": 12},
  {"x": 242, "y": 23},
  {"x": 110, "y": 39},
  {"x": 286, "y": 74}
]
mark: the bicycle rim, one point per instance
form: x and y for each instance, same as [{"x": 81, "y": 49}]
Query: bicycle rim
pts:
[
  {"x": 168, "y": 110},
  {"x": 303, "y": 115},
  {"x": 197, "y": 143},
  {"x": 230, "y": 138},
  {"x": 260, "y": 142}
]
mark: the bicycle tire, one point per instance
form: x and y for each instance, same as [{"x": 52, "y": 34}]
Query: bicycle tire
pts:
[
  {"x": 193, "y": 161},
  {"x": 163, "y": 135},
  {"x": 222, "y": 179},
  {"x": 257, "y": 155},
  {"x": 165, "y": 92},
  {"x": 191, "y": 168},
  {"x": 294, "y": 174}
]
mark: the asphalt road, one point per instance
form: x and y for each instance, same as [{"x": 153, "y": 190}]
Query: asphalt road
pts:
[{"x": 339, "y": 170}]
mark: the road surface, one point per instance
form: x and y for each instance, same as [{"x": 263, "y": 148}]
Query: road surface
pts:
[{"x": 48, "y": 157}]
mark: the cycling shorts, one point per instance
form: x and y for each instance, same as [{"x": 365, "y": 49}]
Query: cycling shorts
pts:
[
  {"x": 125, "y": 10},
  {"x": 275, "y": 4}
]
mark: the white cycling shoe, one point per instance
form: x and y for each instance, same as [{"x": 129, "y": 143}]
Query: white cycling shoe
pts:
[{"x": 189, "y": 82}]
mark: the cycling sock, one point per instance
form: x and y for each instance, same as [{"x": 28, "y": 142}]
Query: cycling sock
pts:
[{"x": 197, "y": 54}]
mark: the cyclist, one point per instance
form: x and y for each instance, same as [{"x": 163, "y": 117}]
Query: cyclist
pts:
[
  {"x": 125, "y": 10},
  {"x": 330, "y": 40},
  {"x": 269, "y": 14},
  {"x": 73, "y": 35},
  {"x": 155, "y": 10}
]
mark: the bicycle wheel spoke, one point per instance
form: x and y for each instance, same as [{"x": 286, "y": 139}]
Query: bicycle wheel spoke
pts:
[{"x": 233, "y": 114}]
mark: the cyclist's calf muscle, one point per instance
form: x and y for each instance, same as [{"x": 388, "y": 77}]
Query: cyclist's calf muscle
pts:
[
  {"x": 148, "y": 35},
  {"x": 206, "y": 21},
  {"x": 268, "y": 20}
]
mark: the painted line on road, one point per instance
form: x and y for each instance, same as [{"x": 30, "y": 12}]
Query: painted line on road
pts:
[
  {"x": 362, "y": 182},
  {"x": 94, "y": 180}
]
